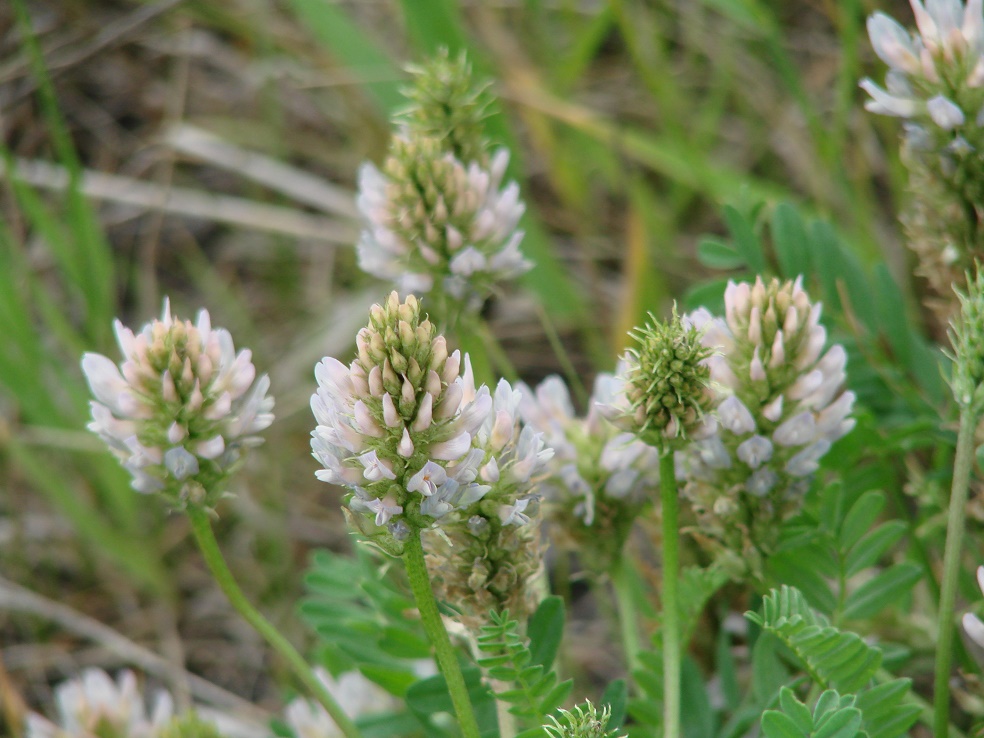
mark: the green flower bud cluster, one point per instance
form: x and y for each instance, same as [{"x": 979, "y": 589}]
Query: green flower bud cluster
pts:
[
  {"x": 967, "y": 338},
  {"x": 583, "y": 722},
  {"x": 665, "y": 394},
  {"x": 447, "y": 104}
]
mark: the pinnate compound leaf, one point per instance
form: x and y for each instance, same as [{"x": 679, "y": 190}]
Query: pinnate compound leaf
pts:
[{"x": 833, "y": 658}]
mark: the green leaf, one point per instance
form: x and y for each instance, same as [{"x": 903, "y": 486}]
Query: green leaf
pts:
[
  {"x": 352, "y": 47},
  {"x": 404, "y": 644},
  {"x": 873, "y": 545},
  {"x": 790, "y": 241},
  {"x": 795, "y": 710},
  {"x": 885, "y": 589},
  {"x": 696, "y": 713},
  {"x": 886, "y": 714},
  {"x": 556, "y": 696},
  {"x": 841, "y": 724},
  {"x": 768, "y": 673},
  {"x": 724, "y": 663},
  {"x": 394, "y": 681},
  {"x": 860, "y": 518},
  {"x": 546, "y": 627},
  {"x": 433, "y": 24},
  {"x": 810, "y": 567},
  {"x": 616, "y": 696},
  {"x": 431, "y": 695},
  {"x": 777, "y": 725},
  {"x": 893, "y": 317},
  {"x": 718, "y": 254},
  {"x": 833, "y": 658},
  {"x": 746, "y": 242}
]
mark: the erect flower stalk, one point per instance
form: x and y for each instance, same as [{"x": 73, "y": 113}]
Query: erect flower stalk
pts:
[
  {"x": 420, "y": 446},
  {"x": 430, "y": 616},
  {"x": 205, "y": 538},
  {"x": 665, "y": 397},
  {"x": 671, "y": 603},
  {"x": 967, "y": 384}
]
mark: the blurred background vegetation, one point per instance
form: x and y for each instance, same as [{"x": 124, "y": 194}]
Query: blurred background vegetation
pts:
[{"x": 208, "y": 150}]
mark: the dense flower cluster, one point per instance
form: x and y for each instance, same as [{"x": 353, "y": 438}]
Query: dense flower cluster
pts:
[
  {"x": 412, "y": 436},
  {"x": 182, "y": 408},
  {"x": 93, "y": 705},
  {"x": 599, "y": 477},
  {"x": 435, "y": 223},
  {"x": 936, "y": 83},
  {"x": 933, "y": 73},
  {"x": 488, "y": 555},
  {"x": 780, "y": 405},
  {"x": 661, "y": 391},
  {"x": 438, "y": 219}
]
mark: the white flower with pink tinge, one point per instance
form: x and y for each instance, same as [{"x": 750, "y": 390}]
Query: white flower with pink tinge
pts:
[
  {"x": 972, "y": 624},
  {"x": 433, "y": 222},
  {"x": 182, "y": 406},
  {"x": 93, "y": 704},
  {"x": 930, "y": 69},
  {"x": 780, "y": 405}
]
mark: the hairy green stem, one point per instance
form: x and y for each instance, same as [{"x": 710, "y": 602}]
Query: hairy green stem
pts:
[
  {"x": 447, "y": 660},
  {"x": 628, "y": 618},
  {"x": 671, "y": 605},
  {"x": 951, "y": 570},
  {"x": 205, "y": 537}
]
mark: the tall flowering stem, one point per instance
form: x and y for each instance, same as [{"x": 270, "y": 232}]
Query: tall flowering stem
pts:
[
  {"x": 205, "y": 538},
  {"x": 967, "y": 338},
  {"x": 447, "y": 660},
  {"x": 671, "y": 604},
  {"x": 962, "y": 467},
  {"x": 405, "y": 428},
  {"x": 664, "y": 398}
]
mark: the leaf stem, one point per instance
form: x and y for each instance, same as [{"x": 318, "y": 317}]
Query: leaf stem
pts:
[
  {"x": 951, "y": 570},
  {"x": 628, "y": 618},
  {"x": 447, "y": 660},
  {"x": 671, "y": 605},
  {"x": 205, "y": 538}
]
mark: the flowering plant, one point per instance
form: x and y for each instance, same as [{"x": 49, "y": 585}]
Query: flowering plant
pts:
[{"x": 767, "y": 500}]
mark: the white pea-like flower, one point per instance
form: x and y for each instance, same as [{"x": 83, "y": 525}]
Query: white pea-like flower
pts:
[
  {"x": 946, "y": 54},
  {"x": 780, "y": 405},
  {"x": 357, "y": 695},
  {"x": 436, "y": 224},
  {"x": 972, "y": 624},
  {"x": 599, "y": 476},
  {"x": 93, "y": 705},
  {"x": 182, "y": 408}
]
